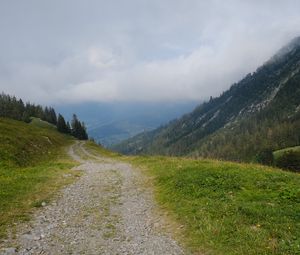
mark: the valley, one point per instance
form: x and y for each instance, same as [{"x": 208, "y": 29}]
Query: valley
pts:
[
  {"x": 112, "y": 123},
  {"x": 150, "y": 127}
]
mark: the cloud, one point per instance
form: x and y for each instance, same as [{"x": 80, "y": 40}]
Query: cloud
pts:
[{"x": 78, "y": 51}]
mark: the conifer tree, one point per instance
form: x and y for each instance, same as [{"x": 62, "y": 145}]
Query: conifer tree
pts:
[
  {"x": 69, "y": 127},
  {"x": 52, "y": 116},
  {"x": 61, "y": 124},
  {"x": 78, "y": 129}
]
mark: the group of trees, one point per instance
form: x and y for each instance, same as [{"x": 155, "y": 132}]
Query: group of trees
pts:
[
  {"x": 11, "y": 107},
  {"x": 77, "y": 128}
]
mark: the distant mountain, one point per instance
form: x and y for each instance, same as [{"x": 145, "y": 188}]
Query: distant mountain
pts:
[
  {"x": 111, "y": 123},
  {"x": 262, "y": 111}
]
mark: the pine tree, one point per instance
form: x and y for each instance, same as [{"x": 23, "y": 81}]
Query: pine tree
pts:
[
  {"x": 84, "y": 135},
  {"x": 78, "y": 129},
  {"x": 61, "y": 124},
  {"x": 69, "y": 127},
  {"x": 52, "y": 116}
]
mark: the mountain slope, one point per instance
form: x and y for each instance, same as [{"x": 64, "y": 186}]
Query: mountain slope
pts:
[{"x": 261, "y": 111}]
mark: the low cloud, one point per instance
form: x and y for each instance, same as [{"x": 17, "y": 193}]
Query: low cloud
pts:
[{"x": 170, "y": 51}]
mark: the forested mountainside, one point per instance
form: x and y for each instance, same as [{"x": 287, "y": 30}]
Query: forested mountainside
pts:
[{"x": 262, "y": 111}]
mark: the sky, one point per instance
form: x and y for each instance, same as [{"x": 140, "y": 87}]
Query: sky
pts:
[{"x": 77, "y": 51}]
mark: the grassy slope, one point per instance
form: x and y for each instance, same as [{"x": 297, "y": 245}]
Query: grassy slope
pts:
[
  {"x": 96, "y": 149},
  {"x": 279, "y": 153},
  {"x": 32, "y": 162},
  {"x": 228, "y": 208}
]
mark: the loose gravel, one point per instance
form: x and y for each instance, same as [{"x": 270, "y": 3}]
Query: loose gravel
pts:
[{"x": 107, "y": 211}]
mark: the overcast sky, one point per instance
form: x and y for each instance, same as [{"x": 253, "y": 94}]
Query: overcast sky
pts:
[{"x": 66, "y": 51}]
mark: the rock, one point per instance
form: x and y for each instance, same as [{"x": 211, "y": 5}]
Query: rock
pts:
[
  {"x": 36, "y": 238},
  {"x": 8, "y": 251},
  {"x": 44, "y": 204},
  {"x": 156, "y": 225}
]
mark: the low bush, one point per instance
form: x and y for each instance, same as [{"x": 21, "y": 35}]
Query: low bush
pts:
[{"x": 289, "y": 160}]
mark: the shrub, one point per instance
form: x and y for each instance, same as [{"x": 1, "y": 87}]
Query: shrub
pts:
[
  {"x": 289, "y": 160},
  {"x": 265, "y": 157}
]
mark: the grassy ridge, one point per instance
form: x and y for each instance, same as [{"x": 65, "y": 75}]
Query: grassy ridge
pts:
[
  {"x": 229, "y": 208},
  {"x": 279, "y": 153},
  {"x": 32, "y": 164},
  {"x": 99, "y": 150}
]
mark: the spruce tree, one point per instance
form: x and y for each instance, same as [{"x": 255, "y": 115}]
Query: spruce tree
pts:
[
  {"x": 61, "y": 124},
  {"x": 78, "y": 129},
  {"x": 52, "y": 116}
]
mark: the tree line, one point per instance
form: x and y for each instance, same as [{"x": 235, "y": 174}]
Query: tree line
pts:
[{"x": 13, "y": 108}]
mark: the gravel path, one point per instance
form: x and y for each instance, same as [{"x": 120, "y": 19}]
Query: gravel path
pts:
[{"x": 107, "y": 211}]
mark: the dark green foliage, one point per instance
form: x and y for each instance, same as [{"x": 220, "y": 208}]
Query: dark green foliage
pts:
[
  {"x": 78, "y": 129},
  {"x": 50, "y": 116},
  {"x": 26, "y": 117},
  {"x": 265, "y": 157},
  {"x": 11, "y": 107},
  {"x": 62, "y": 126},
  {"x": 289, "y": 160}
]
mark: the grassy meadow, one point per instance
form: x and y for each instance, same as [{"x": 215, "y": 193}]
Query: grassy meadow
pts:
[
  {"x": 33, "y": 165},
  {"x": 228, "y": 208}
]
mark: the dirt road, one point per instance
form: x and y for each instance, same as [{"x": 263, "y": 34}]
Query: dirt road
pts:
[{"x": 107, "y": 211}]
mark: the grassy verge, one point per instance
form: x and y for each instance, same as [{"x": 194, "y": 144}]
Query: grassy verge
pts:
[
  {"x": 228, "y": 208},
  {"x": 33, "y": 166}
]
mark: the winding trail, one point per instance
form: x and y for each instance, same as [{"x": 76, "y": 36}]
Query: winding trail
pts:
[{"x": 107, "y": 211}]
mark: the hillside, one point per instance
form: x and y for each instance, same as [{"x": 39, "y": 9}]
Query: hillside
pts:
[
  {"x": 32, "y": 163},
  {"x": 27, "y": 144},
  {"x": 260, "y": 111}
]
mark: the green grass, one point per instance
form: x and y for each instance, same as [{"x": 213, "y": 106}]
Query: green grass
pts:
[
  {"x": 33, "y": 166},
  {"x": 99, "y": 150},
  {"x": 228, "y": 208},
  {"x": 277, "y": 154},
  {"x": 42, "y": 124}
]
